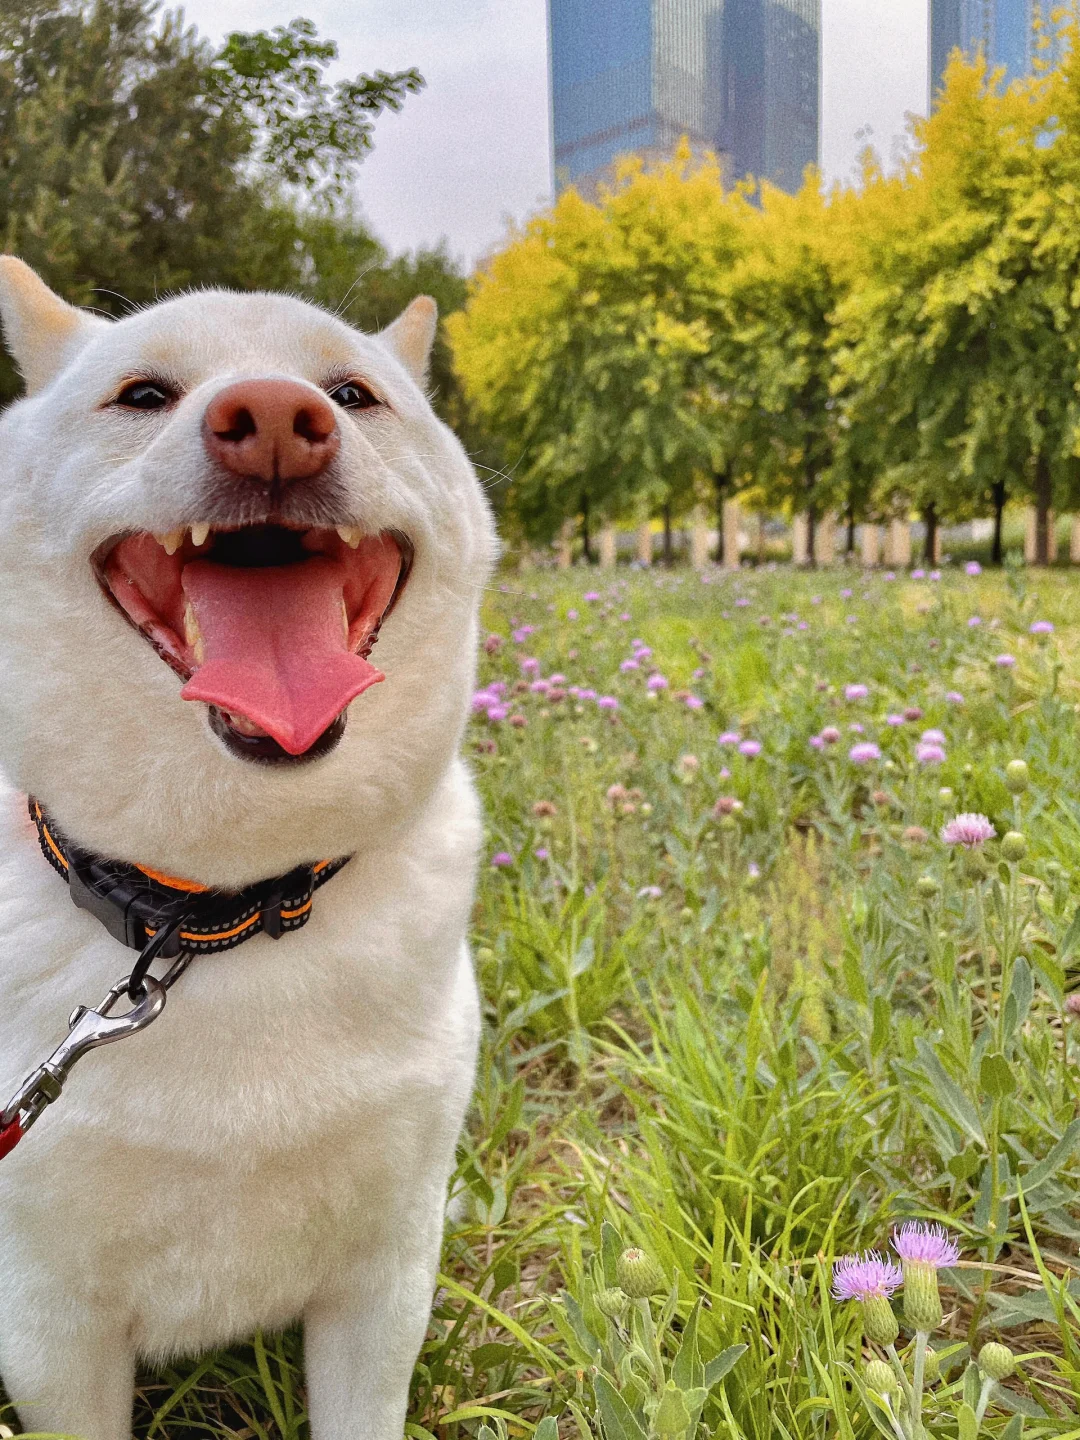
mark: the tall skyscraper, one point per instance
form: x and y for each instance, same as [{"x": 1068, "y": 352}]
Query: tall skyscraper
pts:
[
  {"x": 736, "y": 76},
  {"x": 1002, "y": 30}
]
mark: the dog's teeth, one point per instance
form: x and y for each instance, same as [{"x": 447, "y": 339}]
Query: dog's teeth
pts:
[
  {"x": 171, "y": 542},
  {"x": 193, "y": 635},
  {"x": 351, "y": 534},
  {"x": 199, "y": 533}
]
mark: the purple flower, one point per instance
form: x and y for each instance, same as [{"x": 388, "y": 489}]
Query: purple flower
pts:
[
  {"x": 501, "y": 858},
  {"x": 815, "y": 599},
  {"x": 858, "y": 1277},
  {"x": 857, "y": 729},
  {"x": 625, "y": 615},
  {"x": 929, "y": 754},
  {"x": 607, "y": 702},
  {"x": 846, "y": 594},
  {"x": 741, "y": 602},
  {"x": 649, "y": 892},
  {"x": 974, "y": 622},
  {"x": 890, "y": 574},
  {"x": 539, "y": 687},
  {"x": 571, "y": 614},
  {"x": 522, "y": 633},
  {"x": 1042, "y": 627},
  {"x": 855, "y": 692},
  {"x": 591, "y": 595},
  {"x": 803, "y": 625},
  {"x": 972, "y": 568},
  {"x": 933, "y": 737},
  {"x": 628, "y": 665},
  {"x": 969, "y": 830},
  {"x": 529, "y": 665},
  {"x": 498, "y": 712},
  {"x": 694, "y": 702},
  {"x": 1005, "y": 661},
  {"x": 816, "y": 742},
  {"x": 852, "y": 619},
  {"x": 543, "y": 853},
  {"x": 920, "y": 1244},
  {"x": 863, "y": 753},
  {"x": 894, "y": 720},
  {"x": 642, "y": 652},
  {"x": 830, "y": 734},
  {"x": 750, "y": 748},
  {"x": 729, "y": 737},
  {"x": 954, "y": 697},
  {"x": 935, "y": 574},
  {"x": 556, "y": 679},
  {"x": 753, "y": 870},
  {"x": 918, "y": 574},
  {"x": 656, "y": 683}
]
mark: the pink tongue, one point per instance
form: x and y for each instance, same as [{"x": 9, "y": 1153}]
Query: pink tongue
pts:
[{"x": 275, "y": 646}]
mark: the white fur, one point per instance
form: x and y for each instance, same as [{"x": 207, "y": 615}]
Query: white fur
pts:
[{"x": 277, "y": 1145}]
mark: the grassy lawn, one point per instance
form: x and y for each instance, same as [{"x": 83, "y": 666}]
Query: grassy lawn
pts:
[{"x": 747, "y": 1011}]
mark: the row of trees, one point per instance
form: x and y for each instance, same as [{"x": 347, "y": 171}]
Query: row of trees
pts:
[
  {"x": 136, "y": 159},
  {"x": 912, "y": 343}
]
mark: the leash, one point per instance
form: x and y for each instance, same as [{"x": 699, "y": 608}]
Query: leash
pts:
[{"x": 161, "y": 916}]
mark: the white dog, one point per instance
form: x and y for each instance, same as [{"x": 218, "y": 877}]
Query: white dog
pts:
[{"x": 206, "y": 511}]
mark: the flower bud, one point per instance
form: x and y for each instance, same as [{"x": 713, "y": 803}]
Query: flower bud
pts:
[
  {"x": 1013, "y": 845},
  {"x": 613, "y": 1303},
  {"x": 879, "y": 1322},
  {"x": 922, "y": 1303},
  {"x": 638, "y": 1274},
  {"x": 945, "y": 795},
  {"x": 997, "y": 1362},
  {"x": 927, "y": 886},
  {"x": 881, "y": 1378},
  {"x": 1017, "y": 777}
]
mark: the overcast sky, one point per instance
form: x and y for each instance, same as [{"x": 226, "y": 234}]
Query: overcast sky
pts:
[{"x": 472, "y": 150}]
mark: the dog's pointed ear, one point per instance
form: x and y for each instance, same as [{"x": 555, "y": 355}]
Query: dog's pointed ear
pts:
[
  {"x": 41, "y": 331},
  {"x": 412, "y": 335}
]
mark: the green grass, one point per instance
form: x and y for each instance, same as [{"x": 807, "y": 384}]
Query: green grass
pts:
[{"x": 751, "y": 1042}]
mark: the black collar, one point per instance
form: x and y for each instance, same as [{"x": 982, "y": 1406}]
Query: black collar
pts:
[{"x": 133, "y": 902}]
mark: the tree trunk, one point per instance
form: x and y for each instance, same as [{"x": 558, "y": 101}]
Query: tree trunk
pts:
[
  {"x": 930, "y": 518},
  {"x": 1044, "y": 499},
  {"x": 849, "y": 547},
  {"x": 669, "y": 554},
  {"x": 586, "y": 548},
  {"x": 998, "y": 493}
]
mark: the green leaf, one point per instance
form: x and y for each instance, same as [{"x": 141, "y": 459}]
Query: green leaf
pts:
[
  {"x": 996, "y": 1078},
  {"x": 1071, "y": 938},
  {"x": 672, "y": 1418},
  {"x": 1014, "y": 1430},
  {"x": 967, "y": 1427},
  {"x": 688, "y": 1371},
  {"x": 548, "y": 1429},
  {"x": 486, "y": 1357},
  {"x": 882, "y": 1025},
  {"x": 1048, "y": 1165},
  {"x": 972, "y": 1384},
  {"x": 617, "y": 1417},
  {"x": 721, "y": 1364},
  {"x": 946, "y": 1094},
  {"x": 611, "y": 1247}
]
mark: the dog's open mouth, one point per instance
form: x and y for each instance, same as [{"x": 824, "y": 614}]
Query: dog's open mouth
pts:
[{"x": 269, "y": 625}]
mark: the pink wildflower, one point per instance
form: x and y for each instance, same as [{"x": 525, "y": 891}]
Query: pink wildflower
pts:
[
  {"x": 969, "y": 830},
  {"x": 858, "y": 1277},
  {"x": 863, "y": 753},
  {"x": 855, "y": 692},
  {"x": 921, "y": 1244}
]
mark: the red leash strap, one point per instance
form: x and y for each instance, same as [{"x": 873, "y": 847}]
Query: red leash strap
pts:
[{"x": 10, "y": 1136}]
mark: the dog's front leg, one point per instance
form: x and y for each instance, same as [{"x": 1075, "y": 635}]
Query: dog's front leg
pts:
[
  {"x": 67, "y": 1373},
  {"x": 361, "y": 1339}
]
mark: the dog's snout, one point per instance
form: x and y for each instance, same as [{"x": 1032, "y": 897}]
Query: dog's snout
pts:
[{"x": 271, "y": 431}]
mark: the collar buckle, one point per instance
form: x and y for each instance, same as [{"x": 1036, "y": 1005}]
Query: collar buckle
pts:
[{"x": 116, "y": 905}]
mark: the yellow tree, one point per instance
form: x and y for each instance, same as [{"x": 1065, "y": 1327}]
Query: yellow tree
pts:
[{"x": 586, "y": 346}]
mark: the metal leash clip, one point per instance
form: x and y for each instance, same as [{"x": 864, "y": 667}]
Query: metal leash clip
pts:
[{"x": 88, "y": 1029}]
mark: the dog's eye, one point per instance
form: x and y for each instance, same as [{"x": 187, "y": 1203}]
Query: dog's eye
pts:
[
  {"x": 353, "y": 396},
  {"x": 145, "y": 395}
]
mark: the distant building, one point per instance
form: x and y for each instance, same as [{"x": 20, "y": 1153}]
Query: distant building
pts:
[
  {"x": 1002, "y": 30},
  {"x": 739, "y": 77}
]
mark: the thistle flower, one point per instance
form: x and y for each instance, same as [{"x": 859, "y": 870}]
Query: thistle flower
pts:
[
  {"x": 750, "y": 748},
  {"x": 929, "y": 754},
  {"x": 856, "y": 692},
  {"x": 969, "y": 830},
  {"x": 501, "y": 858},
  {"x": 864, "y": 753},
  {"x": 923, "y": 1250},
  {"x": 997, "y": 1362},
  {"x": 1005, "y": 661},
  {"x": 638, "y": 1274},
  {"x": 729, "y": 737},
  {"x": 1041, "y": 627},
  {"x": 870, "y": 1280},
  {"x": 973, "y": 568},
  {"x": 933, "y": 737},
  {"x": 656, "y": 683},
  {"x": 954, "y": 697},
  {"x": 830, "y": 734}
]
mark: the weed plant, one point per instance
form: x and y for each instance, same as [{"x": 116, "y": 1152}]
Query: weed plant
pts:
[{"x": 746, "y": 1012}]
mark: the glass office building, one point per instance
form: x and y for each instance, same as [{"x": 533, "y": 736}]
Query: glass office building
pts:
[
  {"x": 1003, "y": 30},
  {"x": 736, "y": 76}
]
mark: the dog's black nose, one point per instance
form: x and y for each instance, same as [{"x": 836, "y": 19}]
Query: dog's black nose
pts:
[{"x": 271, "y": 430}]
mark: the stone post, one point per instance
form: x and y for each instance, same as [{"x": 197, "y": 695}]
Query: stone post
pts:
[
  {"x": 608, "y": 546},
  {"x": 565, "y": 547},
  {"x": 825, "y": 539},
  {"x": 731, "y": 535},
  {"x": 700, "y": 538},
  {"x": 800, "y": 540},
  {"x": 1074, "y": 540},
  {"x": 898, "y": 544},
  {"x": 870, "y": 541},
  {"x": 644, "y": 543}
]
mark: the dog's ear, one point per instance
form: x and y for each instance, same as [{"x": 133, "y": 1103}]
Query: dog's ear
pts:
[
  {"x": 412, "y": 335},
  {"x": 41, "y": 331}
]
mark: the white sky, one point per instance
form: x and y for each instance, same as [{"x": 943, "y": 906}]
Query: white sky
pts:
[{"x": 471, "y": 151}]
